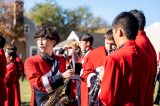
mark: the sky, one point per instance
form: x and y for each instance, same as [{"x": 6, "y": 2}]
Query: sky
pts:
[{"x": 109, "y": 9}]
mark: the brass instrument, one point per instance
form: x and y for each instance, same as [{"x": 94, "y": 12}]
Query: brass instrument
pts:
[
  {"x": 94, "y": 92},
  {"x": 59, "y": 97}
]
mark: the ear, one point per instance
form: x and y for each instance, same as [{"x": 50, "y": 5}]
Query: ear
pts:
[
  {"x": 120, "y": 32},
  {"x": 88, "y": 43},
  {"x": 10, "y": 58}
]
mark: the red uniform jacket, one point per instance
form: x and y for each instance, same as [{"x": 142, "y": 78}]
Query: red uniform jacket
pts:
[
  {"x": 144, "y": 43},
  {"x": 94, "y": 61},
  {"x": 124, "y": 82},
  {"x": 10, "y": 80},
  {"x": 3, "y": 63},
  {"x": 20, "y": 68},
  {"x": 84, "y": 88},
  {"x": 39, "y": 73}
]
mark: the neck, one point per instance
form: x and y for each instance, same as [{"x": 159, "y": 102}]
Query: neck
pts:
[
  {"x": 121, "y": 42},
  {"x": 86, "y": 50},
  {"x": 48, "y": 54}
]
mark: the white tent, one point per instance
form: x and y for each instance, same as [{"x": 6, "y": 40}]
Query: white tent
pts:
[
  {"x": 153, "y": 33},
  {"x": 72, "y": 36}
]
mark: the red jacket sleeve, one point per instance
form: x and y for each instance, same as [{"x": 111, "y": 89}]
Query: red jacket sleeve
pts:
[
  {"x": 10, "y": 76},
  {"x": 33, "y": 73},
  {"x": 2, "y": 65},
  {"x": 87, "y": 69},
  {"x": 2, "y": 76},
  {"x": 44, "y": 77},
  {"x": 110, "y": 82},
  {"x": 62, "y": 66},
  {"x": 20, "y": 66}
]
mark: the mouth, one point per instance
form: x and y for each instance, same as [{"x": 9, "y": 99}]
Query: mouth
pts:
[{"x": 41, "y": 47}]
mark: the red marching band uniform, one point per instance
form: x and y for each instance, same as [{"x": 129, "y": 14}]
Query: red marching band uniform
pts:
[
  {"x": 3, "y": 63},
  {"x": 11, "y": 87},
  {"x": 83, "y": 86},
  {"x": 94, "y": 60},
  {"x": 145, "y": 45},
  {"x": 39, "y": 71},
  {"x": 20, "y": 68},
  {"x": 124, "y": 77},
  {"x": 93, "y": 64}
]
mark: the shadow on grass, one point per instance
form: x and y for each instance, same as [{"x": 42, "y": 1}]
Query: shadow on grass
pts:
[{"x": 25, "y": 104}]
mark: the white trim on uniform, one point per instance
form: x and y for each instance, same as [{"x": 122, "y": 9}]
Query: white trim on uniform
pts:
[
  {"x": 81, "y": 72},
  {"x": 45, "y": 78},
  {"x": 89, "y": 79},
  {"x": 46, "y": 83}
]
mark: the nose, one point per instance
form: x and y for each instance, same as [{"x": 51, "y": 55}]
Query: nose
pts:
[{"x": 40, "y": 40}]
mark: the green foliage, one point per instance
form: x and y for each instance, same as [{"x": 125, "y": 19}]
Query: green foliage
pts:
[
  {"x": 79, "y": 19},
  {"x": 44, "y": 13}
]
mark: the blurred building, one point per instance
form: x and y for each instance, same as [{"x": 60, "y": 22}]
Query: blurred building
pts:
[{"x": 75, "y": 35}]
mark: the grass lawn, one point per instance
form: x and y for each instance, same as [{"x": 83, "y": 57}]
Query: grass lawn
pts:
[
  {"x": 155, "y": 91},
  {"x": 25, "y": 92}
]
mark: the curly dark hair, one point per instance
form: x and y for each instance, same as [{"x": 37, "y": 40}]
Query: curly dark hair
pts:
[{"x": 48, "y": 32}]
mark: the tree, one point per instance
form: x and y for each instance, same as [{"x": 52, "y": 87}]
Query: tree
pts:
[
  {"x": 11, "y": 18},
  {"x": 44, "y": 13},
  {"x": 79, "y": 19},
  {"x": 48, "y": 13}
]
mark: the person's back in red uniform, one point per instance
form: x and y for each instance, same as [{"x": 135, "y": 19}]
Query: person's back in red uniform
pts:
[
  {"x": 3, "y": 63},
  {"x": 124, "y": 80},
  {"x": 19, "y": 67},
  {"x": 13, "y": 97},
  {"x": 144, "y": 43}
]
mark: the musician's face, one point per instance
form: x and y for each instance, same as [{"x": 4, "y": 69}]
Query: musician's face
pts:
[
  {"x": 84, "y": 45},
  {"x": 8, "y": 58},
  {"x": 70, "y": 51},
  {"x": 110, "y": 45},
  {"x": 45, "y": 45}
]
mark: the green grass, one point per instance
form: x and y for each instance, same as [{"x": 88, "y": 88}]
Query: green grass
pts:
[
  {"x": 25, "y": 92},
  {"x": 155, "y": 91}
]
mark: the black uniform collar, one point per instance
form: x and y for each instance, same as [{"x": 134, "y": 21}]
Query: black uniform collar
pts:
[{"x": 48, "y": 59}]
